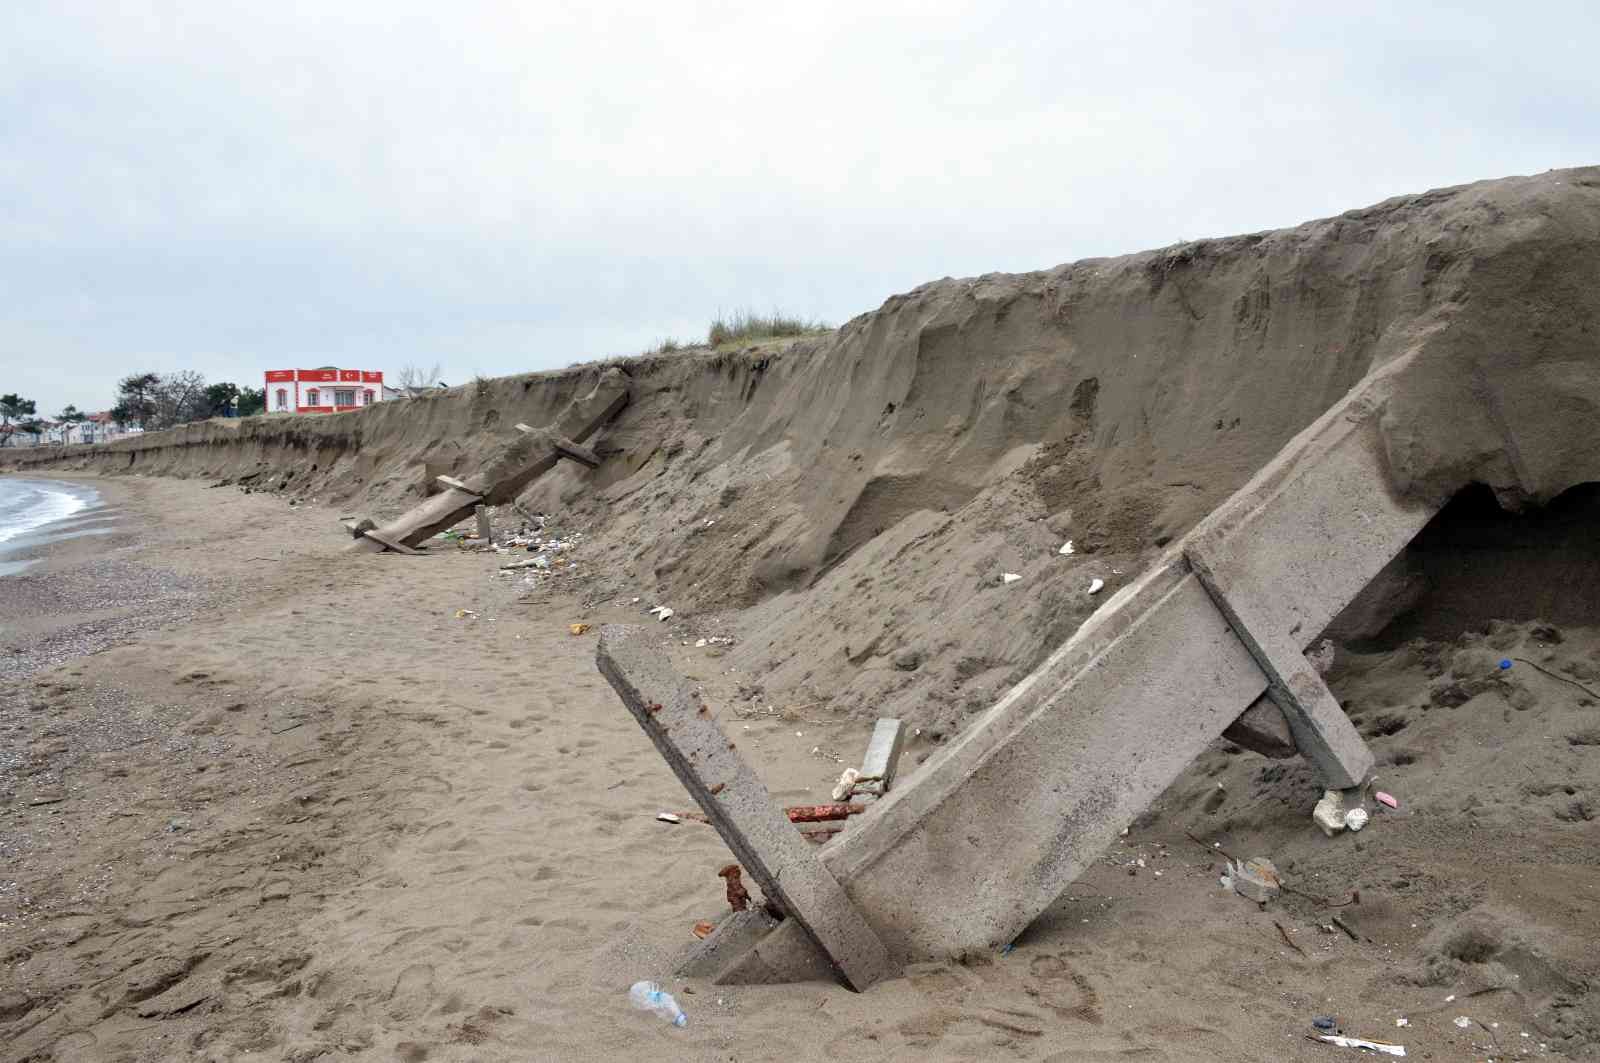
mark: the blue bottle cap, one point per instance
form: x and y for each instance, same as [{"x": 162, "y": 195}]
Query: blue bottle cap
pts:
[{"x": 1505, "y": 663}]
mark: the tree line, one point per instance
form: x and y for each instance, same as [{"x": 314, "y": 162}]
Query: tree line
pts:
[{"x": 150, "y": 401}]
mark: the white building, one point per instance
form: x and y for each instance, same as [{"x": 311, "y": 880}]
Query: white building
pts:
[{"x": 326, "y": 390}]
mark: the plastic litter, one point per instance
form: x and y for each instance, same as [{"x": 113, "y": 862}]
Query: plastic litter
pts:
[
  {"x": 1009, "y": 577},
  {"x": 1256, "y": 879},
  {"x": 1356, "y": 818},
  {"x": 1462, "y": 1021},
  {"x": 1095, "y": 585},
  {"x": 669, "y": 817},
  {"x": 577, "y": 629},
  {"x": 1323, "y": 1023},
  {"x": 1505, "y": 663},
  {"x": 661, "y": 612},
  {"x": 649, "y": 996},
  {"x": 1360, "y": 1042},
  {"x": 1066, "y": 548},
  {"x": 1386, "y": 799}
]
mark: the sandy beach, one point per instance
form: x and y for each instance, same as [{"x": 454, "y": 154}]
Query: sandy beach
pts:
[{"x": 297, "y": 809}]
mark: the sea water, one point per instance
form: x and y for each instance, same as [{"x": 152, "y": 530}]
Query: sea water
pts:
[{"x": 27, "y": 506}]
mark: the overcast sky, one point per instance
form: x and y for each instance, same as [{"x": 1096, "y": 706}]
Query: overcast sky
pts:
[{"x": 500, "y": 187}]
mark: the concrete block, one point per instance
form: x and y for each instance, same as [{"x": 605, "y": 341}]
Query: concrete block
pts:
[
  {"x": 780, "y": 860},
  {"x": 737, "y": 933},
  {"x": 883, "y": 752}
]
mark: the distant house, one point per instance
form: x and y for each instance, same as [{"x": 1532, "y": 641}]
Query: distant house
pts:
[
  {"x": 31, "y": 434},
  {"x": 325, "y": 390}
]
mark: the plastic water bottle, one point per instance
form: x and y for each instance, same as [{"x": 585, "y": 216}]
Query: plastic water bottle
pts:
[{"x": 649, "y": 996}]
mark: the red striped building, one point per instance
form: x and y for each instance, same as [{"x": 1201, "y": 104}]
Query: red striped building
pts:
[{"x": 325, "y": 390}]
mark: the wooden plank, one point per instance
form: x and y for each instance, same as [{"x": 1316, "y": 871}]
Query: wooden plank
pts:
[{"x": 451, "y": 481}]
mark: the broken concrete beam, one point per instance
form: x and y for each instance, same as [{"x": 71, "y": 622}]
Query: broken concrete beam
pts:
[
  {"x": 1263, "y": 729},
  {"x": 738, "y": 804},
  {"x": 527, "y": 456},
  {"x": 485, "y": 530},
  {"x": 1322, "y": 732},
  {"x": 568, "y": 449},
  {"x": 580, "y": 454},
  {"x": 1318, "y": 523},
  {"x": 1288, "y": 551},
  {"x": 883, "y": 752},
  {"x": 387, "y": 543}
]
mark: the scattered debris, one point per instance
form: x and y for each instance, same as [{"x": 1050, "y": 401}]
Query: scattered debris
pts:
[
  {"x": 1323, "y": 1022},
  {"x": 1359, "y": 1042},
  {"x": 1066, "y": 548},
  {"x": 661, "y": 612},
  {"x": 738, "y": 896},
  {"x": 1256, "y": 879},
  {"x": 846, "y": 784},
  {"x": 669, "y": 817},
  {"x": 1329, "y": 813},
  {"x": 1283, "y": 934},
  {"x": 1009, "y": 577},
  {"x": 466, "y": 614},
  {"x": 1386, "y": 799},
  {"x": 814, "y": 813},
  {"x": 1402, "y": 1022},
  {"x": 1505, "y": 664},
  {"x": 578, "y": 629},
  {"x": 648, "y": 996},
  {"x": 1096, "y": 585},
  {"x": 1356, "y": 818},
  {"x": 703, "y": 929},
  {"x": 1462, "y": 1021}
]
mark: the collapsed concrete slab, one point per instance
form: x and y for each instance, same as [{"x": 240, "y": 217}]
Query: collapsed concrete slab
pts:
[
  {"x": 964, "y": 855},
  {"x": 531, "y": 454}
]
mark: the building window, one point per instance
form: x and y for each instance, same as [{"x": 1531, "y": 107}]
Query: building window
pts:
[
  {"x": 366, "y": 397},
  {"x": 344, "y": 397},
  {"x": 283, "y": 398},
  {"x": 311, "y": 398}
]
